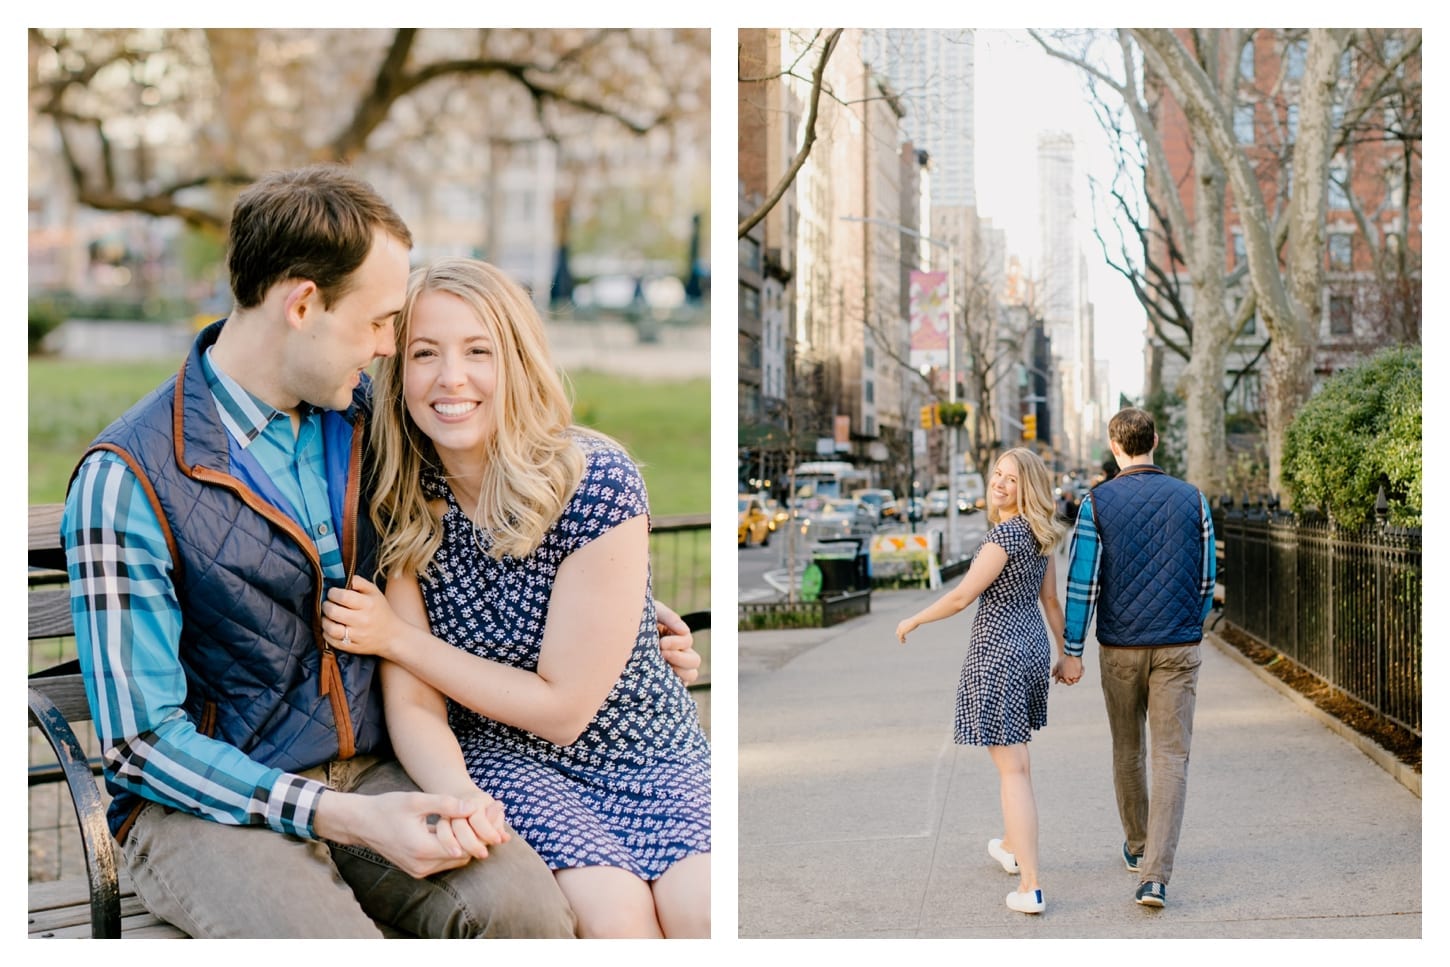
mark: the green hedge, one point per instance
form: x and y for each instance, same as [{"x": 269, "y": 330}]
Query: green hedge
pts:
[{"x": 1360, "y": 431}]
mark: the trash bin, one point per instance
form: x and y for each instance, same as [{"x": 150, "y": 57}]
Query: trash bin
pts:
[{"x": 844, "y": 566}]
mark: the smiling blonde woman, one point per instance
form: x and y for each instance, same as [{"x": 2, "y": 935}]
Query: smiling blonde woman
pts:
[
  {"x": 519, "y": 628},
  {"x": 1002, "y": 692}
]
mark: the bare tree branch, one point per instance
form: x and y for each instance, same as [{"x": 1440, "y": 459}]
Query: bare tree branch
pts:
[{"x": 778, "y": 192}]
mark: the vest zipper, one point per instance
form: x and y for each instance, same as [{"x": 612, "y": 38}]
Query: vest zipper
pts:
[{"x": 330, "y": 685}]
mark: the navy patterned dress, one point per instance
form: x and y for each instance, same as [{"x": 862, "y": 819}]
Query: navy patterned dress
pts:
[
  {"x": 1002, "y": 695},
  {"x": 633, "y": 791}
]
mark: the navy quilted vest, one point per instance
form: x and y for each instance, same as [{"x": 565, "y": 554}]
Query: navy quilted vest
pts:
[
  {"x": 1149, "y": 525},
  {"x": 250, "y": 582}
]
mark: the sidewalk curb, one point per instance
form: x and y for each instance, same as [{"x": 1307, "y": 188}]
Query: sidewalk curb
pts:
[{"x": 1402, "y": 773}]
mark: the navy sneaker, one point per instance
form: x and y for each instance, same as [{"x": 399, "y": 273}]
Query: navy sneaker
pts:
[
  {"x": 1151, "y": 894},
  {"x": 1129, "y": 860}
]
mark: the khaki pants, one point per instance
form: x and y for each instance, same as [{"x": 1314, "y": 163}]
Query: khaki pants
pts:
[
  {"x": 1156, "y": 686},
  {"x": 215, "y": 880}
]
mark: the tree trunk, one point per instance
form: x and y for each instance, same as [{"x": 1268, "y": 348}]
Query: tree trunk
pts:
[
  {"x": 1291, "y": 326},
  {"x": 1212, "y": 328}
]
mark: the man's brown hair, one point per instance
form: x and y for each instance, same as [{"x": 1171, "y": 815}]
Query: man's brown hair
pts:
[
  {"x": 315, "y": 223},
  {"x": 1132, "y": 429}
]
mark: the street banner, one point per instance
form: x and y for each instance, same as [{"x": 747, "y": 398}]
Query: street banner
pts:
[{"x": 930, "y": 315}]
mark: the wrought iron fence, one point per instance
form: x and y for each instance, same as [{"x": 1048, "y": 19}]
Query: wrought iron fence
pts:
[
  {"x": 679, "y": 555},
  {"x": 1346, "y": 605}
]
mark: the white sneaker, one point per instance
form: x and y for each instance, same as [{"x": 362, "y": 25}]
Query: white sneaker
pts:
[
  {"x": 995, "y": 850},
  {"x": 1029, "y": 902}
]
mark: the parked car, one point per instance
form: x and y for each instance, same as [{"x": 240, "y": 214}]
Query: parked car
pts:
[
  {"x": 971, "y": 493},
  {"x": 882, "y": 501},
  {"x": 937, "y": 503},
  {"x": 828, "y": 519},
  {"x": 915, "y": 509},
  {"x": 778, "y": 514},
  {"x": 754, "y": 522}
]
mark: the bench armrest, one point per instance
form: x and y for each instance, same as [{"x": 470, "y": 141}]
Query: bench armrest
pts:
[{"x": 102, "y": 866}]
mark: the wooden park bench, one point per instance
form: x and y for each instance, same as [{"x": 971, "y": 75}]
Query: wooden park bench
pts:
[{"x": 100, "y": 902}]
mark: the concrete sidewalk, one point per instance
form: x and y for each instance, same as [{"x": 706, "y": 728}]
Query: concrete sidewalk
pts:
[{"x": 859, "y": 817}]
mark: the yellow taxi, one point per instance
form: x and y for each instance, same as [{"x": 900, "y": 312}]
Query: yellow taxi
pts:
[{"x": 754, "y": 521}]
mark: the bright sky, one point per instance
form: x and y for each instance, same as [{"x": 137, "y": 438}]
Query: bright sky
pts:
[{"x": 1020, "y": 92}]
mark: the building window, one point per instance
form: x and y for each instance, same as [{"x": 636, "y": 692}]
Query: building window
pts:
[
  {"x": 1341, "y": 251},
  {"x": 1394, "y": 46},
  {"x": 1341, "y": 315},
  {"x": 870, "y": 426},
  {"x": 749, "y": 302},
  {"x": 1244, "y": 124},
  {"x": 1239, "y": 249},
  {"x": 749, "y": 254},
  {"x": 1295, "y": 59},
  {"x": 1338, "y": 180},
  {"x": 870, "y": 391},
  {"x": 1246, "y": 60},
  {"x": 870, "y": 358},
  {"x": 1394, "y": 181},
  {"x": 1293, "y": 123},
  {"x": 1252, "y": 326},
  {"x": 749, "y": 351}
]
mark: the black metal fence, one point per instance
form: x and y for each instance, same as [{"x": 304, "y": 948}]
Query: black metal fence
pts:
[
  {"x": 823, "y": 612},
  {"x": 679, "y": 554},
  {"x": 1346, "y": 605}
]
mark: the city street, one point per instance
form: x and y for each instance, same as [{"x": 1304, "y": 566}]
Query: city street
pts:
[
  {"x": 763, "y": 570},
  {"x": 859, "y": 817}
]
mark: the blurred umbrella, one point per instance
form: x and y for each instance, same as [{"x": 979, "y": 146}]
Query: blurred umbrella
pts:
[
  {"x": 695, "y": 280},
  {"x": 561, "y": 290}
]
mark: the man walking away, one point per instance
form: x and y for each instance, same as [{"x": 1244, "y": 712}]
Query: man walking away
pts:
[{"x": 1143, "y": 555}]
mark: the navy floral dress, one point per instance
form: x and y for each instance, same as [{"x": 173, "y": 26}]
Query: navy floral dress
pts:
[
  {"x": 1002, "y": 695},
  {"x": 633, "y": 791}
]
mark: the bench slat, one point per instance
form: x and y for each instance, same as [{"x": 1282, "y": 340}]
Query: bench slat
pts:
[
  {"x": 62, "y": 909},
  {"x": 68, "y": 692},
  {"x": 50, "y": 613},
  {"x": 46, "y": 549}
]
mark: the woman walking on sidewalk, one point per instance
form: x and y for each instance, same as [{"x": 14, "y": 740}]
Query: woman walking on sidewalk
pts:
[{"x": 1002, "y": 695}]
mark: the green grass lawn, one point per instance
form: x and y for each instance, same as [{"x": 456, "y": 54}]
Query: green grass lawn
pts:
[
  {"x": 666, "y": 428},
  {"x": 665, "y": 425},
  {"x": 70, "y": 402}
]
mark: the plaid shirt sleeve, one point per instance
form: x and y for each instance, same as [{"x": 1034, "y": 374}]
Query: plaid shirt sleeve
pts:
[
  {"x": 1208, "y": 570},
  {"x": 1084, "y": 556},
  {"x": 128, "y": 631}
]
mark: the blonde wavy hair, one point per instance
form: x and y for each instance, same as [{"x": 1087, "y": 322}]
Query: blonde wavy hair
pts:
[
  {"x": 533, "y": 462},
  {"x": 1034, "y": 498}
]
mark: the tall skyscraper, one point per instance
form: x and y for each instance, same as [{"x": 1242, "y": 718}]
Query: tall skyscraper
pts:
[
  {"x": 932, "y": 73},
  {"x": 1058, "y": 224}
]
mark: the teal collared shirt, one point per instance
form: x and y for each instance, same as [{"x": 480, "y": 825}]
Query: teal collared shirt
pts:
[{"x": 128, "y": 619}]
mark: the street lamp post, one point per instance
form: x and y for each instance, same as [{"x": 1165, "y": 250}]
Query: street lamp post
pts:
[{"x": 951, "y": 362}]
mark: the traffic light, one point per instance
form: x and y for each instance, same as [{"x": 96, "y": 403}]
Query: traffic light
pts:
[
  {"x": 1029, "y": 426},
  {"x": 930, "y": 417}
]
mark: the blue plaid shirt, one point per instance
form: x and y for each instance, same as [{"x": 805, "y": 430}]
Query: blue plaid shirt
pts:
[
  {"x": 128, "y": 622},
  {"x": 1084, "y": 557}
]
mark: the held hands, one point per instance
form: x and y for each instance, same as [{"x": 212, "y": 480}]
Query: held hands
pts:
[
  {"x": 1067, "y": 670},
  {"x": 420, "y": 833},
  {"x": 360, "y": 620}
]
